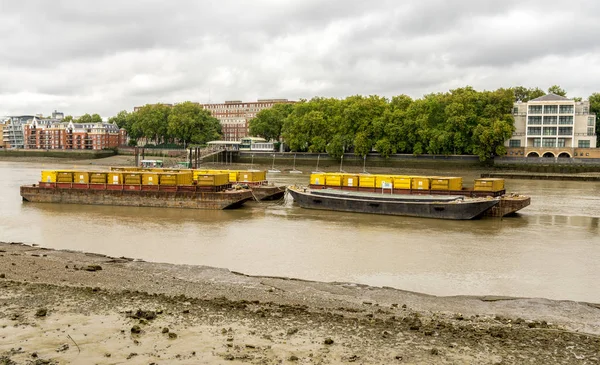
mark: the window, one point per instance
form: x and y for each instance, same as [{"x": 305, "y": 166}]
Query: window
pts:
[
  {"x": 537, "y": 142},
  {"x": 566, "y": 109},
  {"x": 514, "y": 143},
  {"x": 535, "y": 109},
  {"x": 534, "y": 131},
  {"x": 583, "y": 144},
  {"x": 549, "y": 131},
  {"x": 548, "y": 142},
  {"x": 563, "y": 119},
  {"x": 550, "y": 120},
  {"x": 561, "y": 142},
  {"x": 516, "y": 110},
  {"x": 590, "y": 131},
  {"x": 591, "y": 121},
  {"x": 534, "y": 120},
  {"x": 565, "y": 131},
  {"x": 550, "y": 109}
]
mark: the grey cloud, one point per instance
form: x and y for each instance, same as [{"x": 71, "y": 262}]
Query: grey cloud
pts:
[{"x": 112, "y": 55}]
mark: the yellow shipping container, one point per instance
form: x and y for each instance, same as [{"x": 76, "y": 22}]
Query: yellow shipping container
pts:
[
  {"x": 317, "y": 179},
  {"x": 125, "y": 168},
  {"x": 213, "y": 179},
  {"x": 350, "y": 180},
  {"x": 384, "y": 181},
  {"x": 160, "y": 169},
  {"x": 48, "y": 176},
  {"x": 167, "y": 179},
  {"x": 233, "y": 175},
  {"x": 115, "y": 178},
  {"x": 176, "y": 178},
  {"x": 333, "y": 179},
  {"x": 149, "y": 178},
  {"x": 81, "y": 177},
  {"x": 98, "y": 178},
  {"x": 446, "y": 183},
  {"x": 489, "y": 184},
  {"x": 184, "y": 177},
  {"x": 132, "y": 178},
  {"x": 402, "y": 182},
  {"x": 252, "y": 176},
  {"x": 196, "y": 173},
  {"x": 420, "y": 183},
  {"x": 64, "y": 177},
  {"x": 366, "y": 181}
]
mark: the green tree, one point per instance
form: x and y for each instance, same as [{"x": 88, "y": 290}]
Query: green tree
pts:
[
  {"x": 152, "y": 121},
  {"x": 68, "y": 118},
  {"x": 190, "y": 123},
  {"x": 496, "y": 125},
  {"x": 88, "y": 119},
  {"x": 524, "y": 94},
  {"x": 555, "y": 89},
  {"x": 268, "y": 123},
  {"x": 594, "y": 100},
  {"x": 120, "y": 119},
  {"x": 85, "y": 119},
  {"x": 308, "y": 120}
]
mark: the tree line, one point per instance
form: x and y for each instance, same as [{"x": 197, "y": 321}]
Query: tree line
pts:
[
  {"x": 461, "y": 121},
  {"x": 185, "y": 123}
]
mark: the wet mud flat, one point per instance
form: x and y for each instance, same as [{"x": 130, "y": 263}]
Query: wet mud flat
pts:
[{"x": 63, "y": 307}]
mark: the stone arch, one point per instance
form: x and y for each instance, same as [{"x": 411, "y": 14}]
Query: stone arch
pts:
[
  {"x": 564, "y": 155},
  {"x": 533, "y": 154},
  {"x": 548, "y": 154}
]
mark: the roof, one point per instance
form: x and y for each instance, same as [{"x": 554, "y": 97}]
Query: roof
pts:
[
  {"x": 223, "y": 142},
  {"x": 551, "y": 97}
]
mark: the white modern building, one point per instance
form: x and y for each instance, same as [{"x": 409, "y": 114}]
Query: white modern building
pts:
[{"x": 553, "y": 126}]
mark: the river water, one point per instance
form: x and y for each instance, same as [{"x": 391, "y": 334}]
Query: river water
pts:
[{"x": 551, "y": 249}]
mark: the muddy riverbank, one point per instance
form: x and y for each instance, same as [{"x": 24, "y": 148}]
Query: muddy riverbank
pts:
[{"x": 79, "y": 308}]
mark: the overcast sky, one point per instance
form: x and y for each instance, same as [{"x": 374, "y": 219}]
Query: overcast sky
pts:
[{"x": 105, "y": 56}]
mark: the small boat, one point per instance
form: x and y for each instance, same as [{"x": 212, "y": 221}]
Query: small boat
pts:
[{"x": 424, "y": 206}]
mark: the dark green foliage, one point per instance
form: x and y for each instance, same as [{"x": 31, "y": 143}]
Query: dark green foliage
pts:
[
  {"x": 594, "y": 100},
  {"x": 555, "y": 89},
  {"x": 524, "y": 94},
  {"x": 184, "y": 123},
  {"x": 462, "y": 121},
  {"x": 268, "y": 123}
]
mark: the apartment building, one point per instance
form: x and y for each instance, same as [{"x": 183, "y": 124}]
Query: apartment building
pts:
[
  {"x": 12, "y": 133},
  {"x": 553, "y": 126},
  {"x": 2, "y": 124},
  {"x": 54, "y": 134},
  {"x": 234, "y": 115}
]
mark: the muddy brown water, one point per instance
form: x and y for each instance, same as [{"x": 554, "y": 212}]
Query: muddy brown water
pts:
[{"x": 551, "y": 249}]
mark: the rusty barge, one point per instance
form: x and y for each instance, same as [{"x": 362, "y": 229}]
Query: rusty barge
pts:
[
  {"x": 125, "y": 195},
  {"x": 508, "y": 204},
  {"x": 421, "y": 206},
  {"x": 140, "y": 189}
]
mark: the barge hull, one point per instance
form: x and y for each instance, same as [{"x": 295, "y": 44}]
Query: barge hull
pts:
[
  {"x": 442, "y": 210},
  {"x": 267, "y": 192},
  {"x": 138, "y": 198}
]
